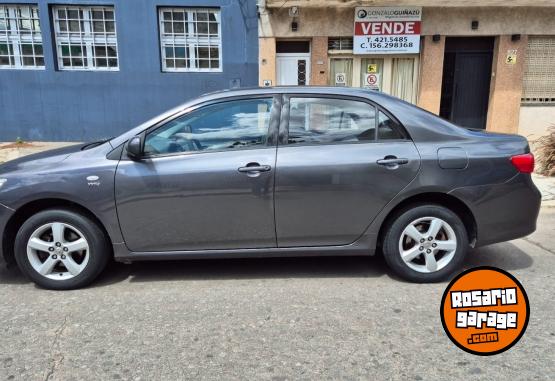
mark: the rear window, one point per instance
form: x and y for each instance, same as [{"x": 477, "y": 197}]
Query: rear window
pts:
[{"x": 326, "y": 120}]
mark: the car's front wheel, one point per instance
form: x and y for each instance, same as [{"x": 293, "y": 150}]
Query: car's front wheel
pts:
[
  {"x": 61, "y": 249},
  {"x": 425, "y": 243}
]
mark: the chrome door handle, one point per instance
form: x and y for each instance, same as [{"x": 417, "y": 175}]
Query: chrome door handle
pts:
[
  {"x": 392, "y": 161},
  {"x": 254, "y": 168}
]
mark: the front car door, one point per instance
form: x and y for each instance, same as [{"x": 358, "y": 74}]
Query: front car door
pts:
[
  {"x": 206, "y": 182},
  {"x": 339, "y": 162}
]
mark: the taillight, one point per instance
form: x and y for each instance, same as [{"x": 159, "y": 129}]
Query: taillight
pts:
[{"x": 524, "y": 163}]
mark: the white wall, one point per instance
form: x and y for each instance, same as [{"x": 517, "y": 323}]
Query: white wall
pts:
[{"x": 534, "y": 120}]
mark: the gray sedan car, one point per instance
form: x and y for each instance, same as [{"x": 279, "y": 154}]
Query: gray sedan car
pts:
[{"x": 270, "y": 172}]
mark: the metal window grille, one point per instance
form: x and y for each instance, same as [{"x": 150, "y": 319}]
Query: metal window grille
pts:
[
  {"x": 539, "y": 72},
  {"x": 20, "y": 37},
  {"x": 340, "y": 43},
  {"x": 86, "y": 38},
  {"x": 190, "y": 39}
]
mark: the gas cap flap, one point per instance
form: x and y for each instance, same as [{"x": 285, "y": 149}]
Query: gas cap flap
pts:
[{"x": 452, "y": 158}]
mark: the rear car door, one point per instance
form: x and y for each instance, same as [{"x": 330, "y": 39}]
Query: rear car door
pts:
[
  {"x": 206, "y": 182},
  {"x": 340, "y": 160}
]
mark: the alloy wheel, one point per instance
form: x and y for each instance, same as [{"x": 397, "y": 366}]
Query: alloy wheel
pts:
[
  {"x": 427, "y": 244},
  {"x": 58, "y": 251}
]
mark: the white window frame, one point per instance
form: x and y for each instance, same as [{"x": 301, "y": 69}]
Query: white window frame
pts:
[
  {"x": 13, "y": 37},
  {"x": 190, "y": 40},
  {"x": 86, "y": 38}
]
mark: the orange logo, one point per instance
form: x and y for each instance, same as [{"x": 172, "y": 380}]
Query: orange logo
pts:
[{"x": 485, "y": 311}]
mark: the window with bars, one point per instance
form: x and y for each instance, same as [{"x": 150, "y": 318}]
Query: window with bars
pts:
[
  {"x": 20, "y": 37},
  {"x": 539, "y": 72},
  {"x": 190, "y": 39},
  {"x": 340, "y": 43},
  {"x": 86, "y": 38}
]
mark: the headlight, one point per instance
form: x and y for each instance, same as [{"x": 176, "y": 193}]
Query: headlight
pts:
[{"x": 2, "y": 182}]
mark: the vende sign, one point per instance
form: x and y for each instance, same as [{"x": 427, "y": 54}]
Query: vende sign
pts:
[{"x": 387, "y": 30}]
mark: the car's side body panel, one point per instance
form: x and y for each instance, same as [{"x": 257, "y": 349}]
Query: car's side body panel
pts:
[
  {"x": 328, "y": 194},
  {"x": 198, "y": 201},
  {"x": 86, "y": 180}
]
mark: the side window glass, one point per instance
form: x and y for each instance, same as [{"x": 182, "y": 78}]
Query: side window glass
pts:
[
  {"x": 327, "y": 120},
  {"x": 223, "y": 126},
  {"x": 388, "y": 128}
]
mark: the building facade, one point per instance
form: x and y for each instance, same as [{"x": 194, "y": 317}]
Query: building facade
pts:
[
  {"x": 480, "y": 63},
  {"x": 74, "y": 70}
]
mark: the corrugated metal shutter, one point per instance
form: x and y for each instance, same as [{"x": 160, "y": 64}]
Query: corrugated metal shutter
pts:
[{"x": 539, "y": 72}]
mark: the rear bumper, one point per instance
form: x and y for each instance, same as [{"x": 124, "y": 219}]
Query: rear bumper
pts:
[{"x": 503, "y": 211}]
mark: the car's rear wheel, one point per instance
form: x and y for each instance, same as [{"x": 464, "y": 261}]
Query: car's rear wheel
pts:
[
  {"x": 425, "y": 243},
  {"x": 61, "y": 249}
]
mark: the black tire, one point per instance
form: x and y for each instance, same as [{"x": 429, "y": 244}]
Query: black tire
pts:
[
  {"x": 99, "y": 248},
  {"x": 396, "y": 226}
]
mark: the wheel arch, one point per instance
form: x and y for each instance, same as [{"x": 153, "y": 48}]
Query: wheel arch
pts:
[
  {"x": 27, "y": 210},
  {"x": 443, "y": 199}
]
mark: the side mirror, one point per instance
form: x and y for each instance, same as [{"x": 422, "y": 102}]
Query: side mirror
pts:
[{"x": 135, "y": 147}]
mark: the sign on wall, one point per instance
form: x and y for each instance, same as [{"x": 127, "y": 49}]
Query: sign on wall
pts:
[
  {"x": 340, "y": 79},
  {"x": 511, "y": 57},
  {"x": 372, "y": 81},
  {"x": 387, "y": 30}
]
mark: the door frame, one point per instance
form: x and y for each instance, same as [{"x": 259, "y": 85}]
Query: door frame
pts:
[
  {"x": 294, "y": 55},
  {"x": 458, "y": 46}
]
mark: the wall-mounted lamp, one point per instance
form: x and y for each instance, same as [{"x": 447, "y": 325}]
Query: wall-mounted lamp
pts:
[
  {"x": 515, "y": 37},
  {"x": 294, "y": 26},
  {"x": 474, "y": 25},
  {"x": 436, "y": 38}
]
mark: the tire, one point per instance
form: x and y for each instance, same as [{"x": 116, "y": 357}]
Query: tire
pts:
[
  {"x": 74, "y": 231},
  {"x": 418, "y": 265}
]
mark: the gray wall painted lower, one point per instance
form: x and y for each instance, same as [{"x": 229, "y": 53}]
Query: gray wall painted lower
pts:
[{"x": 81, "y": 105}]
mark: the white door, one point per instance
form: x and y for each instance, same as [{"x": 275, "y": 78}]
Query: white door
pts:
[{"x": 293, "y": 69}]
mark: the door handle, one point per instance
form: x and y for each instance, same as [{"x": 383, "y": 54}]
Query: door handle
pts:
[
  {"x": 392, "y": 162},
  {"x": 254, "y": 167}
]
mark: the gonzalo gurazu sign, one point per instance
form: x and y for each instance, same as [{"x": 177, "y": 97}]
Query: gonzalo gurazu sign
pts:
[{"x": 387, "y": 30}]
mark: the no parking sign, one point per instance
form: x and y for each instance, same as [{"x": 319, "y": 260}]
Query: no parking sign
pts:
[{"x": 372, "y": 81}]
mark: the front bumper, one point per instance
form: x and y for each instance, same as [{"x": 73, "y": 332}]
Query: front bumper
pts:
[
  {"x": 5, "y": 215},
  {"x": 503, "y": 211}
]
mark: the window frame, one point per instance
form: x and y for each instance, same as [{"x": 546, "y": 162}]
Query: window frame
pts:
[
  {"x": 189, "y": 42},
  {"x": 283, "y": 138},
  {"x": 529, "y": 96},
  {"x": 272, "y": 133},
  {"x": 85, "y": 39},
  {"x": 15, "y": 39}
]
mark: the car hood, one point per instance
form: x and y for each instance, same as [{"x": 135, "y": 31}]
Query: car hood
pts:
[{"x": 41, "y": 159}]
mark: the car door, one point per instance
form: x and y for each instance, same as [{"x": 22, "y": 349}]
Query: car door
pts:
[
  {"x": 339, "y": 162},
  {"x": 206, "y": 181}
]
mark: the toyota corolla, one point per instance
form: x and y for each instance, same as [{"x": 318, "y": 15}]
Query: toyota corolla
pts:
[{"x": 270, "y": 172}]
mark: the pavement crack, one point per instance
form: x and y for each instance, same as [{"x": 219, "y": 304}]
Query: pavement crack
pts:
[
  {"x": 539, "y": 245},
  {"x": 57, "y": 356}
]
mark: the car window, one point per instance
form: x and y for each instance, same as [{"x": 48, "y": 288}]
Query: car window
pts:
[
  {"x": 328, "y": 120},
  {"x": 388, "y": 128},
  {"x": 223, "y": 126}
]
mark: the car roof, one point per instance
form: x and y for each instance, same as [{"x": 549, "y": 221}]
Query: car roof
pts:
[{"x": 293, "y": 90}]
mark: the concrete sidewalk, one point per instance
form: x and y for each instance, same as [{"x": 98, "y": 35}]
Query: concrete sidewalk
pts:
[{"x": 10, "y": 151}]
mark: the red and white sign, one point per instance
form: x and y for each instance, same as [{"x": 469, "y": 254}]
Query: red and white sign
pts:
[
  {"x": 387, "y": 30},
  {"x": 372, "y": 81}
]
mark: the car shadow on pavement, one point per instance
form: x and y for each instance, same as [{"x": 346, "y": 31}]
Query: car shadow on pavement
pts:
[
  {"x": 505, "y": 255},
  {"x": 252, "y": 268}
]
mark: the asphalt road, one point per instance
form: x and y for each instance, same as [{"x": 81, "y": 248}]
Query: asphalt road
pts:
[{"x": 273, "y": 319}]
